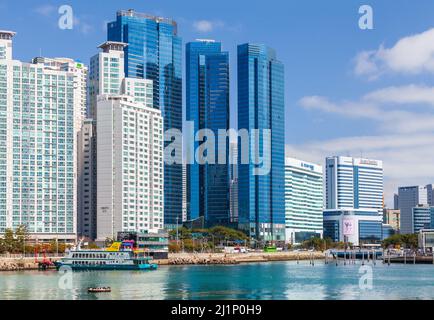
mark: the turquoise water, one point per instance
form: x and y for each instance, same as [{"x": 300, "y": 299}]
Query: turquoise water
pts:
[{"x": 280, "y": 280}]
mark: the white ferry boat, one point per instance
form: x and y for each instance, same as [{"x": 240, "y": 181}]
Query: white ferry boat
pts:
[{"x": 120, "y": 256}]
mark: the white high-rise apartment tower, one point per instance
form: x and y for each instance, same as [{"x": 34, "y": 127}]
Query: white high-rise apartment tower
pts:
[
  {"x": 38, "y": 139},
  {"x": 129, "y": 167},
  {"x": 129, "y": 148}
]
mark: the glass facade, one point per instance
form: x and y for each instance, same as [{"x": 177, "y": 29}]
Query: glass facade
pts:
[
  {"x": 154, "y": 52},
  {"x": 261, "y": 106},
  {"x": 331, "y": 230},
  {"x": 370, "y": 232},
  {"x": 208, "y": 107},
  {"x": 421, "y": 218}
]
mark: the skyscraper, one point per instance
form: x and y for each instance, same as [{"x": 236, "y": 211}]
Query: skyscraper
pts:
[
  {"x": 154, "y": 52},
  {"x": 38, "y": 144},
  {"x": 354, "y": 183},
  {"x": 409, "y": 198},
  {"x": 208, "y": 108},
  {"x": 261, "y": 106},
  {"x": 303, "y": 200}
]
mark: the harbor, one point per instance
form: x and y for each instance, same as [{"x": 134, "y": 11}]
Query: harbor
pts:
[{"x": 253, "y": 281}]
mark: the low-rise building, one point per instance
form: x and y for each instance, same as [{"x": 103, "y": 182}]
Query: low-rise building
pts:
[
  {"x": 392, "y": 217},
  {"x": 361, "y": 227}
]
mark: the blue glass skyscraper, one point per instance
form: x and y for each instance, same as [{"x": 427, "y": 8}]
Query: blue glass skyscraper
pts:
[
  {"x": 261, "y": 106},
  {"x": 154, "y": 52},
  {"x": 207, "y": 100}
]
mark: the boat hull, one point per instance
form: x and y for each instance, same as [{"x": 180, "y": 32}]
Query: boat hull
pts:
[{"x": 139, "y": 267}]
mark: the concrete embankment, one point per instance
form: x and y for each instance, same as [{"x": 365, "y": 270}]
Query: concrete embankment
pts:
[
  {"x": 222, "y": 258},
  {"x": 19, "y": 264}
]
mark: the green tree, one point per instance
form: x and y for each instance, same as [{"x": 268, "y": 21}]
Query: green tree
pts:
[
  {"x": 403, "y": 240},
  {"x": 9, "y": 241},
  {"x": 21, "y": 238}
]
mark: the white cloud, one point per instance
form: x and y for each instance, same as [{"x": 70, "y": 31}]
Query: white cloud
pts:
[
  {"x": 205, "y": 26},
  {"x": 410, "y": 55},
  {"x": 45, "y": 10},
  {"x": 403, "y": 137},
  {"x": 82, "y": 26},
  {"x": 411, "y": 94},
  {"x": 379, "y": 106}
]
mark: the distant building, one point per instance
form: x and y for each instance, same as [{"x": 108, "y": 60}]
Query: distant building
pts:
[
  {"x": 395, "y": 202},
  {"x": 409, "y": 198},
  {"x": 303, "y": 200},
  {"x": 156, "y": 245},
  {"x": 392, "y": 218},
  {"x": 426, "y": 240},
  {"x": 421, "y": 218},
  {"x": 361, "y": 227},
  {"x": 354, "y": 183}
]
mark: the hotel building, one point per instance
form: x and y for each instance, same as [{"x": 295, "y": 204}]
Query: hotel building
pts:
[
  {"x": 303, "y": 200},
  {"x": 354, "y": 183}
]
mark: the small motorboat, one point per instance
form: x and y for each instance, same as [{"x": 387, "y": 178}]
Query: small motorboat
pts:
[{"x": 99, "y": 290}]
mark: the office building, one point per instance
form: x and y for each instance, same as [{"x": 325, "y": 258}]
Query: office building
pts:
[
  {"x": 392, "y": 218},
  {"x": 361, "y": 227},
  {"x": 303, "y": 200},
  {"x": 409, "y": 198},
  {"x": 154, "y": 52},
  {"x": 208, "y": 185},
  {"x": 129, "y": 167},
  {"x": 421, "y": 218},
  {"x": 38, "y": 147},
  {"x": 395, "y": 202},
  {"x": 354, "y": 183},
  {"x": 261, "y": 106},
  {"x": 430, "y": 194}
]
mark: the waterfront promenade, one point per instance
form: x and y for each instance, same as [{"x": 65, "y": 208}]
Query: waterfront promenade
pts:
[
  {"x": 236, "y": 258},
  {"x": 18, "y": 263}
]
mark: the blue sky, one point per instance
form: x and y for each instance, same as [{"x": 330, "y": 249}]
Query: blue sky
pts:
[{"x": 348, "y": 91}]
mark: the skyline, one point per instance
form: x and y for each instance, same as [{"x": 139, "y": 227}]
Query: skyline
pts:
[{"x": 325, "y": 87}]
